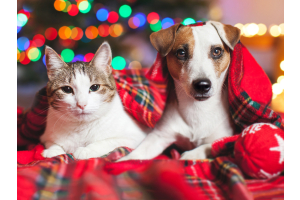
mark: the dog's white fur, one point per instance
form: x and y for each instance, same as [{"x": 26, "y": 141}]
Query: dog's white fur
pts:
[
  {"x": 191, "y": 123},
  {"x": 95, "y": 130}
]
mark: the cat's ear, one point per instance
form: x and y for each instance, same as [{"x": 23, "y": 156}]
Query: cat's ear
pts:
[
  {"x": 102, "y": 58},
  {"x": 53, "y": 62}
]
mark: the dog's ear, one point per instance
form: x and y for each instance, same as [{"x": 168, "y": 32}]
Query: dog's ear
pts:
[
  {"x": 164, "y": 39},
  {"x": 229, "y": 34}
]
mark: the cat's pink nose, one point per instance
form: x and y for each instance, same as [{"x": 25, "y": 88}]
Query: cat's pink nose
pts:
[{"x": 81, "y": 106}]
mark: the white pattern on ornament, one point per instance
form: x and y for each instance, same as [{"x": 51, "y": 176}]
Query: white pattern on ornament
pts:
[
  {"x": 279, "y": 148},
  {"x": 264, "y": 174}
]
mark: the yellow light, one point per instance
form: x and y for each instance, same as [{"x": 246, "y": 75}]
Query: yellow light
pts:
[
  {"x": 275, "y": 31},
  {"x": 245, "y": 31},
  {"x": 277, "y": 88},
  {"x": 252, "y": 29},
  {"x": 59, "y": 5},
  {"x": 281, "y": 26},
  {"x": 274, "y": 96},
  {"x": 262, "y": 29},
  {"x": 135, "y": 65},
  {"x": 280, "y": 78},
  {"x": 240, "y": 26},
  {"x": 282, "y": 84},
  {"x": 18, "y": 54},
  {"x": 282, "y": 65}
]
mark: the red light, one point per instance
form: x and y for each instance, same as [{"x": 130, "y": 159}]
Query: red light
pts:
[
  {"x": 25, "y": 13},
  {"x": 73, "y": 10},
  {"x": 103, "y": 30},
  {"x": 152, "y": 18},
  {"x": 26, "y": 60},
  {"x": 38, "y": 40},
  {"x": 88, "y": 57},
  {"x": 112, "y": 17},
  {"x": 68, "y": 43},
  {"x": 51, "y": 33}
]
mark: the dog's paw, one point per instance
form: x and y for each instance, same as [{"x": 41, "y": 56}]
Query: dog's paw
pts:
[
  {"x": 49, "y": 153},
  {"x": 202, "y": 152},
  {"x": 84, "y": 153}
]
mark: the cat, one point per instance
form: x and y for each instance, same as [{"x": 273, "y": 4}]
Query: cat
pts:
[{"x": 86, "y": 116}]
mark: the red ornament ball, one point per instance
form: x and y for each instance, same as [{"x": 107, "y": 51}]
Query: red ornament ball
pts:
[{"x": 259, "y": 150}]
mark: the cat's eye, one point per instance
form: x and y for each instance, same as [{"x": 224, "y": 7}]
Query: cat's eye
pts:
[
  {"x": 216, "y": 52},
  {"x": 67, "y": 89},
  {"x": 94, "y": 88},
  {"x": 181, "y": 54}
]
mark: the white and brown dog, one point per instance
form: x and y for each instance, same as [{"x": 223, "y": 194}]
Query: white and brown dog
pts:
[{"x": 197, "y": 110}]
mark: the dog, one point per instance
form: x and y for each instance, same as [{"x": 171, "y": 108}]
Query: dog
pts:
[{"x": 197, "y": 109}]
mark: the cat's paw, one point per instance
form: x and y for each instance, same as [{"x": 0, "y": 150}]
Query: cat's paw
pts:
[
  {"x": 84, "y": 153},
  {"x": 49, "y": 153},
  {"x": 202, "y": 152}
]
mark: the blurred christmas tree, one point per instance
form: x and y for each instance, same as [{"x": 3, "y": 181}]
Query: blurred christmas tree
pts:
[{"x": 76, "y": 28}]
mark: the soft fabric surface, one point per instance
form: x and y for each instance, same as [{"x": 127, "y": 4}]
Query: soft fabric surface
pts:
[{"x": 144, "y": 96}]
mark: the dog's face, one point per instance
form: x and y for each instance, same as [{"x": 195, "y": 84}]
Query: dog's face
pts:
[{"x": 197, "y": 56}]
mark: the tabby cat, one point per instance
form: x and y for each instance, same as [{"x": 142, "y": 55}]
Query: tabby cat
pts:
[{"x": 86, "y": 116}]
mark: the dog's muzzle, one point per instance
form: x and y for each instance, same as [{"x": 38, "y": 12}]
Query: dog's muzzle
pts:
[{"x": 201, "y": 87}]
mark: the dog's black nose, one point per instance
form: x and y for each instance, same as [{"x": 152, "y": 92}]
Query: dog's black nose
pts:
[{"x": 202, "y": 86}]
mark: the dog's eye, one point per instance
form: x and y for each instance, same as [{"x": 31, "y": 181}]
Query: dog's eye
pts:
[
  {"x": 180, "y": 53},
  {"x": 94, "y": 88},
  {"x": 216, "y": 52},
  {"x": 67, "y": 89}
]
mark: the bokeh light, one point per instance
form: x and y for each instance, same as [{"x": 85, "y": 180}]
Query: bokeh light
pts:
[
  {"x": 281, "y": 26},
  {"x": 44, "y": 60},
  {"x": 67, "y": 55},
  {"x": 22, "y": 56},
  {"x": 77, "y": 33},
  {"x": 59, "y": 5},
  {"x": 167, "y": 22},
  {"x": 125, "y": 11},
  {"x": 23, "y": 43},
  {"x": 19, "y": 29},
  {"x": 38, "y": 40},
  {"x": 188, "y": 21},
  {"x": 152, "y": 18},
  {"x": 135, "y": 65},
  {"x": 282, "y": 65},
  {"x": 102, "y": 14},
  {"x": 277, "y": 88},
  {"x": 73, "y": 10},
  {"x": 115, "y": 30},
  {"x": 275, "y": 31},
  {"x": 91, "y": 32},
  {"x": 68, "y": 4},
  {"x": 88, "y": 57},
  {"x": 280, "y": 78},
  {"x": 103, "y": 30},
  {"x": 118, "y": 63},
  {"x": 139, "y": 19},
  {"x": 21, "y": 19},
  {"x": 156, "y": 27},
  {"x": 34, "y": 54},
  {"x": 262, "y": 29},
  {"x": 84, "y": 6},
  {"x": 50, "y": 33},
  {"x": 78, "y": 57},
  {"x": 26, "y": 60},
  {"x": 18, "y": 54},
  {"x": 64, "y": 32},
  {"x": 131, "y": 24},
  {"x": 252, "y": 29},
  {"x": 113, "y": 17}
]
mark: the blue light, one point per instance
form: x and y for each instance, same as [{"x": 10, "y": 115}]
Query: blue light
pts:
[
  {"x": 23, "y": 43},
  {"x": 44, "y": 60},
  {"x": 167, "y": 22},
  {"x": 27, "y": 8},
  {"x": 142, "y": 18},
  {"x": 78, "y": 57},
  {"x": 19, "y": 28},
  {"x": 102, "y": 14}
]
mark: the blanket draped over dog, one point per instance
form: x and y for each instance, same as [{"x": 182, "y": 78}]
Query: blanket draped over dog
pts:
[{"x": 143, "y": 96}]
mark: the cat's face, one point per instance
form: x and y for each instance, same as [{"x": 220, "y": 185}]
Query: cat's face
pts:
[{"x": 80, "y": 91}]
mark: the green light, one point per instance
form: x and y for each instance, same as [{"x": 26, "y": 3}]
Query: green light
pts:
[
  {"x": 68, "y": 3},
  {"x": 84, "y": 7},
  {"x": 156, "y": 27},
  {"x": 67, "y": 55},
  {"x": 22, "y": 19},
  {"x": 118, "y": 63},
  {"x": 34, "y": 54},
  {"x": 125, "y": 11},
  {"x": 188, "y": 21}
]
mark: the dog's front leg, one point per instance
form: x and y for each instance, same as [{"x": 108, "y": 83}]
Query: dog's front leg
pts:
[
  {"x": 201, "y": 152},
  {"x": 151, "y": 146}
]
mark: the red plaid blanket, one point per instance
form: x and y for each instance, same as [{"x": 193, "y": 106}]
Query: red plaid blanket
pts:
[{"x": 63, "y": 177}]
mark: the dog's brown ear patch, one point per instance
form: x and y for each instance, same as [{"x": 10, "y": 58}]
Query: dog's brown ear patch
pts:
[
  {"x": 232, "y": 34},
  {"x": 164, "y": 39}
]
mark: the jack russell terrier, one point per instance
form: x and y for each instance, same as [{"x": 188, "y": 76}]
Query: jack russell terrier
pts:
[{"x": 197, "y": 109}]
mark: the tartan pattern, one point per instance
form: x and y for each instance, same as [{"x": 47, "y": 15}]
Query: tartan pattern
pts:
[
  {"x": 64, "y": 177},
  {"x": 243, "y": 109}
]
